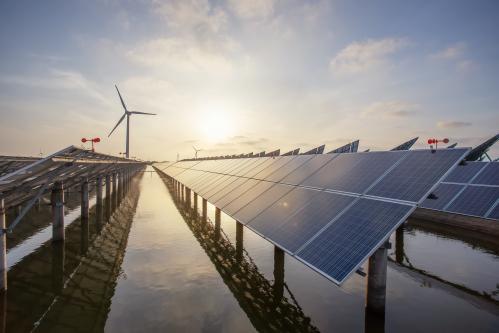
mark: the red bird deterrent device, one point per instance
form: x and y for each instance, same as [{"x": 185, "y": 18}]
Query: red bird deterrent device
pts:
[
  {"x": 436, "y": 141},
  {"x": 94, "y": 140}
]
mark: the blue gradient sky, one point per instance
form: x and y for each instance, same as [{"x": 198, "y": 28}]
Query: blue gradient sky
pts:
[{"x": 240, "y": 76}]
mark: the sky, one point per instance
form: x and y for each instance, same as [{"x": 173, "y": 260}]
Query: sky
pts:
[{"x": 232, "y": 77}]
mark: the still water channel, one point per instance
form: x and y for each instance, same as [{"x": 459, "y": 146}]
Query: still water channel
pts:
[{"x": 151, "y": 265}]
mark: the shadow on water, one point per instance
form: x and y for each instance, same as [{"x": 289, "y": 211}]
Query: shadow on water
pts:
[
  {"x": 262, "y": 300},
  {"x": 68, "y": 286}
]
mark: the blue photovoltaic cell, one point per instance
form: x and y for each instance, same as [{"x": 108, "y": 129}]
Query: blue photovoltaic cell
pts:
[
  {"x": 464, "y": 173},
  {"x": 444, "y": 194},
  {"x": 494, "y": 214},
  {"x": 296, "y": 217},
  {"x": 219, "y": 200},
  {"x": 349, "y": 240},
  {"x": 286, "y": 169},
  {"x": 279, "y": 162},
  {"x": 489, "y": 176},
  {"x": 475, "y": 200},
  {"x": 246, "y": 196},
  {"x": 255, "y": 206},
  {"x": 353, "y": 172},
  {"x": 244, "y": 186},
  {"x": 416, "y": 174},
  {"x": 307, "y": 169}
]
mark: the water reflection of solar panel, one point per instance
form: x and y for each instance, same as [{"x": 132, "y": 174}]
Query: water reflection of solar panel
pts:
[{"x": 331, "y": 232}]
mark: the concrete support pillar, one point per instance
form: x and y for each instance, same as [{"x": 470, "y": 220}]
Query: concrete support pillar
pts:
[
  {"x": 399, "y": 244},
  {"x": 217, "y": 221},
  {"x": 205, "y": 210},
  {"x": 108, "y": 197},
  {"x": 188, "y": 197},
  {"x": 58, "y": 258},
  {"x": 278, "y": 274},
  {"x": 115, "y": 190},
  {"x": 120, "y": 186},
  {"x": 98, "y": 188},
  {"x": 58, "y": 212},
  {"x": 108, "y": 186},
  {"x": 239, "y": 241},
  {"x": 3, "y": 248},
  {"x": 376, "y": 281},
  {"x": 195, "y": 202},
  {"x": 84, "y": 201}
]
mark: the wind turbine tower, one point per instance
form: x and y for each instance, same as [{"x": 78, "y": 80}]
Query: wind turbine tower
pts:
[
  {"x": 196, "y": 152},
  {"x": 127, "y": 114}
]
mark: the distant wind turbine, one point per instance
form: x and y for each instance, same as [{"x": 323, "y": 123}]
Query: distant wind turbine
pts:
[
  {"x": 196, "y": 151},
  {"x": 127, "y": 114}
]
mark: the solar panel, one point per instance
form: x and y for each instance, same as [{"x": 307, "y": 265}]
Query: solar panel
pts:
[
  {"x": 241, "y": 199},
  {"x": 489, "y": 175},
  {"x": 416, "y": 175},
  {"x": 353, "y": 172},
  {"x": 255, "y": 206},
  {"x": 296, "y": 217},
  {"x": 464, "y": 173},
  {"x": 331, "y": 232},
  {"x": 287, "y": 168},
  {"x": 475, "y": 200},
  {"x": 338, "y": 250},
  {"x": 494, "y": 214},
  {"x": 444, "y": 193},
  {"x": 307, "y": 169}
]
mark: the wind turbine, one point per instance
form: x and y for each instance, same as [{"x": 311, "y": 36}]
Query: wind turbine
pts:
[
  {"x": 127, "y": 114},
  {"x": 196, "y": 151}
]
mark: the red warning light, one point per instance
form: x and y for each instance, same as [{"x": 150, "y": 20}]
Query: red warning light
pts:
[
  {"x": 94, "y": 140},
  {"x": 436, "y": 141}
]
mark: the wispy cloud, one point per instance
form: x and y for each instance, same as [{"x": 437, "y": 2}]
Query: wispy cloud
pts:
[
  {"x": 451, "y": 52},
  {"x": 252, "y": 9},
  {"x": 361, "y": 56},
  {"x": 58, "y": 79},
  {"x": 456, "y": 54},
  {"x": 453, "y": 124},
  {"x": 390, "y": 109}
]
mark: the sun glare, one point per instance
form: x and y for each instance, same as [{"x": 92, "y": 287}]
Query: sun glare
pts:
[{"x": 216, "y": 123}]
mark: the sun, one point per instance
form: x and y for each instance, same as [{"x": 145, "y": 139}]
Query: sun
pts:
[{"x": 216, "y": 123}]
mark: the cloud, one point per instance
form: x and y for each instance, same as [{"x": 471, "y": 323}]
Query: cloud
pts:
[
  {"x": 453, "y": 124},
  {"x": 390, "y": 109},
  {"x": 58, "y": 79},
  {"x": 182, "y": 54},
  {"x": 456, "y": 55},
  {"x": 451, "y": 52},
  {"x": 191, "y": 15},
  {"x": 252, "y": 9},
  {"x": 361, "y": 56}
]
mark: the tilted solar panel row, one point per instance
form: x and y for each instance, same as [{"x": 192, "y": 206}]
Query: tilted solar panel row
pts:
[
  {"x": 329, "y": 211},
  {"x": 470, "y": 189}
]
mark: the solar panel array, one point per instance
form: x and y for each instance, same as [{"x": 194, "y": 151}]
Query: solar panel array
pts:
[
  {"x": 329, "y": 211},
  {"x": 470, "y": 189}
]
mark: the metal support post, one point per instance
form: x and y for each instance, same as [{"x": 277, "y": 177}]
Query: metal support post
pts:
[
  {"x": 58, "y": 212},
  {"x": 205, "y": 210},
  {"x": 376, "y": 281},
  {"x": 3, "y": 248},
  {"x": 278, "y": 274},
  {"x": 239, "y": 241}
]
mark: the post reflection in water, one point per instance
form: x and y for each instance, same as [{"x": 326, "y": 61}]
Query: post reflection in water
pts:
[
  {"x": 68, "y": 286},
  {"x": 263, "y": 301}
]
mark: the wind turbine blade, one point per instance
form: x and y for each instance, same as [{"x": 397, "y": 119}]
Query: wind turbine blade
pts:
[
  {"x": 119, "y": 122},
  {"x": 121, "y": 99},
  {"x": 138, "y": 112}
]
